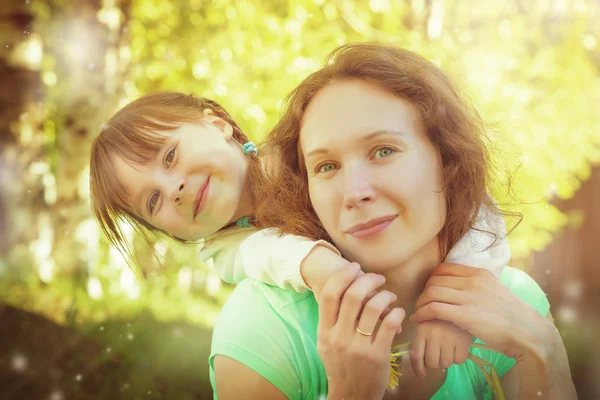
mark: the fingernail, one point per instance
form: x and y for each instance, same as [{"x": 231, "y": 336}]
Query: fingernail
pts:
[{"x": 353, "y": 267}]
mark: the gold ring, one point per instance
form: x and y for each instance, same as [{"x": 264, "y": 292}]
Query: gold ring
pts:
[{"x": 363, "y": 333}]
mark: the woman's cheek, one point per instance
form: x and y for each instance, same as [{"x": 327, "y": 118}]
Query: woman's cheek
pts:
[{"x": 321, "y": 196}]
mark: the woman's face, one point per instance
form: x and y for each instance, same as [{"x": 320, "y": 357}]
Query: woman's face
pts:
[{"x": 374, "y": 176}]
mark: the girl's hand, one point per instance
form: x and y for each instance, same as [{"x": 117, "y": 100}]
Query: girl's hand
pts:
[
  {"x": 475, "y": 300},
  {"x": 357, "y": 365},
  {"x": 317, "y": 267},
  {"x": 438, "y": 344}
]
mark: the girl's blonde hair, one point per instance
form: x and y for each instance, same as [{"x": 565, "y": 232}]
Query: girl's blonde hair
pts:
[{"x": 131, "y": 135}]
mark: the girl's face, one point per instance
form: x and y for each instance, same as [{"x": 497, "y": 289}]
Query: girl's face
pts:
[
  {"x": 374, "y": 176},
  {"x": 194, "y": 185}
]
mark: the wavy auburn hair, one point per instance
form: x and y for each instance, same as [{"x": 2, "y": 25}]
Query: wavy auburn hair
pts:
[
  {"x": 131, "y": 134},
  {"x": 451, "y": 123}
]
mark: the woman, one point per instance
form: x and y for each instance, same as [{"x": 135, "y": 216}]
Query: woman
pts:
[{"x": 380, "y": 155}]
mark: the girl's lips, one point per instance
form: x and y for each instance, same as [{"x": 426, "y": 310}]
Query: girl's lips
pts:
[
  {"x": 371, "y": 229},
  {"x": 201, "y": 197}
]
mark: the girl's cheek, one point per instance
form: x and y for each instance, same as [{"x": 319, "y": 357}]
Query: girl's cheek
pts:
[{"x": 167, "y": 223}]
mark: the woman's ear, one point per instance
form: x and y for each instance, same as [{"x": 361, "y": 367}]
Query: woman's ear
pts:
[{"x": 223, "y": 126}]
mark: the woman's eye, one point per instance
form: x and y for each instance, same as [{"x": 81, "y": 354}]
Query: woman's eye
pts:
[
  {"x": 170, "y": 157},
  {"x": 152, "y": 202},
  {"x": 326, "y": 167},
  {"x": 383, "y": 152}
]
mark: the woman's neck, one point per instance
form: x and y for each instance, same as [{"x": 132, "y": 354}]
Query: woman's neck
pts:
[{"x": 407, "y": 280}]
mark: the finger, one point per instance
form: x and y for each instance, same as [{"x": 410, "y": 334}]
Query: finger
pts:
[
  {"x": 417, "y": 356},
  {"x": 450, "y": 269},
  {"x": 354, "y": 298},
  {"x": 373, "y": 309},
  {"x": 445, "y": 312},
  {"x": 332, "y": 292},
  {"x": 461, "y": 353},
  {"x": 454, "y": 282},
  {"x": 443, "y": 295},
  {"x": 447, "y": 355},
  {"x": 388, "y": 329},
  {"x": 386, "y": 310},
  {"x": 432, "y": 353}
]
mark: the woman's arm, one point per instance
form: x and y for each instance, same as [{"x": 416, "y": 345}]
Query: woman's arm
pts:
[
  {"x": 476, "y": 301},
  {"x": 554, "y": 376},
  {"x": 235, "y": 380}
]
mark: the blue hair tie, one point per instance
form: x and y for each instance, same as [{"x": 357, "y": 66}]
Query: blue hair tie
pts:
[
  {"x": 244, "y": 222},
  {"x": 249, "y": 147}
]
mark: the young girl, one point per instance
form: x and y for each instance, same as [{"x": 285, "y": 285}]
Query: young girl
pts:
[{"x": 178, "y": 165}]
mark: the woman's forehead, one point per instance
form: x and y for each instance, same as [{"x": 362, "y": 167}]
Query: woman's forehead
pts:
[{"x": 353, "y": 109}]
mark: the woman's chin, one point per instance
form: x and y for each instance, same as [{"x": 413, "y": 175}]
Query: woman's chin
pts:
[
  {"x": 380, "y": 263},
  {"x": 382, "y": 259}
]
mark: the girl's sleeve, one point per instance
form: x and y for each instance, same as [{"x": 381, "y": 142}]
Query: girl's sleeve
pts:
[
  {"x": 264, "y": 255},
  {"x": 479, "y": 248}
]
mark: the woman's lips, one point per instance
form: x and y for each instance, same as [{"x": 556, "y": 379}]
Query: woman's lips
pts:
[
  {"x": 201, "y": 197},
  {"x": 372, "y": 227}
]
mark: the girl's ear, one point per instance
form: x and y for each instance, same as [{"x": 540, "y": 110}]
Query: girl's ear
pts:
[{"x": 223, "y": 126}]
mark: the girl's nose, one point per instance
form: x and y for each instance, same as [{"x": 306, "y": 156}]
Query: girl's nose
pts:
[{"x": 177, "y": 193}]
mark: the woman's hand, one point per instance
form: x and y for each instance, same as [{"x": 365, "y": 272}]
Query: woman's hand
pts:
[
  {"x": 357, "y": 365},
  {"x": 476, "y": 301}
]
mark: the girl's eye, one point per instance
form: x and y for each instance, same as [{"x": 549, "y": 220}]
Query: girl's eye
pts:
[
  {"x": 170, "y": 157},
  {"x": 326, "y": 167},
  {"x": 152, "y": 203},
  {"x": 383, "y": 152}
]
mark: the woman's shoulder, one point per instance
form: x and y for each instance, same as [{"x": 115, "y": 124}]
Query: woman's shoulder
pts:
[
  {"x": 253, "y": 293},
  {"x": 253, "y": 305},
  {"x": 526, "y": 288},
  {"x": 269, "y": 329}
]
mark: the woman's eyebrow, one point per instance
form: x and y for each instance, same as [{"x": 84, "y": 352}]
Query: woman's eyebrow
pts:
[
  {"x": 370, "y": 136},
  {"x": 376, "y": 134}
]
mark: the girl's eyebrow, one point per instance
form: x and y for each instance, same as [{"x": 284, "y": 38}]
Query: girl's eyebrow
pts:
[
  {"x": 366, "y": 138},
  {"x": 144, "y": 204},
  {"x": 137, "y": 204}
]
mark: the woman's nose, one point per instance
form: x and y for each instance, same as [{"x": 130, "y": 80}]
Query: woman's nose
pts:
[{"x": 357, "y": 188}]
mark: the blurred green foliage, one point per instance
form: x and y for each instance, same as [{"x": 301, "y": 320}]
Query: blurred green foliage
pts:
[{"x": 531, "y": 68}]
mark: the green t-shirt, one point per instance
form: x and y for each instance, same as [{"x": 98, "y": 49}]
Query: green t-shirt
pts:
[{"x": 274, "y": 332}]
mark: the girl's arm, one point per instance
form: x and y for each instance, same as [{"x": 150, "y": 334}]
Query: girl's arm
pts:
[
  {"x": 286, "y": 261},
  {"x": 298, "y": 263}
]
